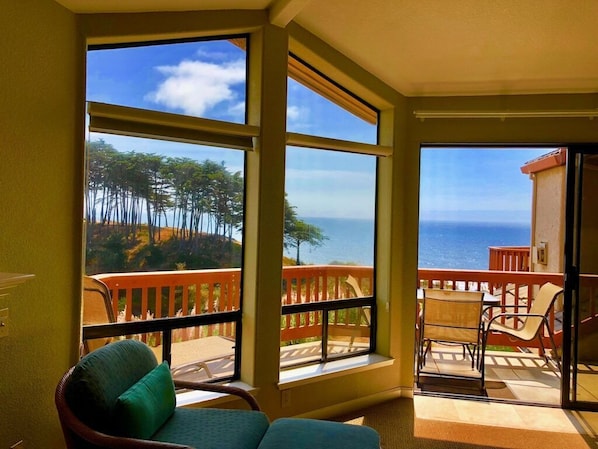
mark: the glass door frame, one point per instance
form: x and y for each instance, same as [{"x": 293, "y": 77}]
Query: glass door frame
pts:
[{"x": 573, "y": 209}]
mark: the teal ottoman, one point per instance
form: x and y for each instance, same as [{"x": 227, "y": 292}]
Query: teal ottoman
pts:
[{"x": 302, "y": 433}]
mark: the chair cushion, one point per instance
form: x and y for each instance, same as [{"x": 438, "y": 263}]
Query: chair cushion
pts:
[
  {"x": 303, "y": 433},
  {"x": 143, "y": 408},
  {"x": 102, "y": 376},
  {"x": 209, "y": 428}
]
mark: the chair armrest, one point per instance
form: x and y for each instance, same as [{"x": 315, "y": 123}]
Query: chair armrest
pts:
[
  {"x": 217, "y": 388},
  {"x": 518, "y": 315},
  {"x": 512, "y": 315}
]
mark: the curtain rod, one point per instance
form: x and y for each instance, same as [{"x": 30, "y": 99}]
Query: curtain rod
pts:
[{"x": 576, "y": 113}]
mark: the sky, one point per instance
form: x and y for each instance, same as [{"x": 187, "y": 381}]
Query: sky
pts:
[
  {"x": 476, "y": 184},
  {"x": 208, "y": 79}
]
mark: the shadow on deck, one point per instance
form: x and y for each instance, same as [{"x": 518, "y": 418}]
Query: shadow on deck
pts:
[{"x": 510, "y": 376}]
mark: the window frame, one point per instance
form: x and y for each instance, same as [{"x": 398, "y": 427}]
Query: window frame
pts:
[
  {"x": 319, "y": 83},
  {"x": 144, "y": 123}
]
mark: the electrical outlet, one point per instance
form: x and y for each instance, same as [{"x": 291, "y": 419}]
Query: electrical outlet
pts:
[
  {"x": 285, "y": 398},
  {"x": 4, "y": 324}
]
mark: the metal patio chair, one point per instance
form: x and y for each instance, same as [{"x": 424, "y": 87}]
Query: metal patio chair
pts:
[
  {"x": 527, "y": 326},
  {"x": 451, "y": 317}
]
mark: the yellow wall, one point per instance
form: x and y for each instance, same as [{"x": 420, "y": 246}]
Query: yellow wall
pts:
[
  {"x": 40, "y": 195},
  {"x": 41, "y": 105}
]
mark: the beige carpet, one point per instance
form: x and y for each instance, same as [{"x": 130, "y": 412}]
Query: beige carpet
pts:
[{"x": 400, "y": 428}]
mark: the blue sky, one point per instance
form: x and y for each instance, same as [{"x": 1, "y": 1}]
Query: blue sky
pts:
[
  {"x": 483, "y": 184},
  {"x": 207, "y": 79}
]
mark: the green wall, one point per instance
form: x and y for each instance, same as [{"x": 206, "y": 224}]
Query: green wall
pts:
[{"x": 40, "y": 195}]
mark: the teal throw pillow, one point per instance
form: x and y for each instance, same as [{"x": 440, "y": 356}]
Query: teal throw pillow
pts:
[{"x": 142, "y": 409}]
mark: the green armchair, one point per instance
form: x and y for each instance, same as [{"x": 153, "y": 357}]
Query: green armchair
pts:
[{"x": 118, "y": 396}]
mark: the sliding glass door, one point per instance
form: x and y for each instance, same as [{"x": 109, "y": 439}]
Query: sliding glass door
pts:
[{"x": 580, "y": 320}]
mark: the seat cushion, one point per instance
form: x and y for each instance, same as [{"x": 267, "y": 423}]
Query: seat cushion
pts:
[
  {"x": 102, "y": 376},
  {"x": 209, "y": 428},
  {"x": 302, "y": 433},
  {"x": 142, "y": 409}
]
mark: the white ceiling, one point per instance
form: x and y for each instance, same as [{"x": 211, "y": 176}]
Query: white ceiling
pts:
[{"x": 436, "y": 47}]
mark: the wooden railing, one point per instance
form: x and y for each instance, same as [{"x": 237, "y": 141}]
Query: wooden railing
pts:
[
  {"x": 316, "y": 283},
  {"x": 160, "y": 294},
  {"x": 149, "y": 295},
  {"x": 135, "y": 295},
  {"x": 508, "y": 258},
  {"x": 515, "y": 289}
]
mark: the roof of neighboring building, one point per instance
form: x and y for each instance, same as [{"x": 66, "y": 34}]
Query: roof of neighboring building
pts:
[{"x": 549, "y": 160}]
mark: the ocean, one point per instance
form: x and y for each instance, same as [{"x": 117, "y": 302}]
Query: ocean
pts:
[{"x": 456, "y": 245}]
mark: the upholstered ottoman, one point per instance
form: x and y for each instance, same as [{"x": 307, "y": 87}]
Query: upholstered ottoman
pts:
[{"x": 301, "y": 433}]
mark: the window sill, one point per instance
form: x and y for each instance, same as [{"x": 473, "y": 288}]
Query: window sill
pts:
[
  {"x": 315, "y": 373},
  {"x": 291, "y": 378},
  {"x": 208, "y": 398}
]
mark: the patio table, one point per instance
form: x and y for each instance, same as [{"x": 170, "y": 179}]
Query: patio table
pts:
[{"x": 489, "y": 299}]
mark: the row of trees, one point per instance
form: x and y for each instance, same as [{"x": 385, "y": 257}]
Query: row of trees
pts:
[{"x": 200, "y": 203}]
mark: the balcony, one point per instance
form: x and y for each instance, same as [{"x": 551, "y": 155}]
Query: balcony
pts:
[{"x": 318, "y": 306}]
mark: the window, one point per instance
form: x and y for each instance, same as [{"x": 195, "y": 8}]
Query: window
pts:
[
  {"x": 196, "y": 78},
  {"x": 165, "y": 197},
  {"x": 329, "y": 237}
]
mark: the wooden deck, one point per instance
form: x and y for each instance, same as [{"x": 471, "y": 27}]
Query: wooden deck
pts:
[
  {"x": 510, "y": 376},
  {"x": 213, "y": 357},
  {"x": 518, "y": 377},
  {"x": 522, "y": 377}
]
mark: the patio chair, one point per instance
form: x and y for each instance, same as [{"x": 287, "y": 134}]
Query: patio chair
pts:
[
  {"x": 365, "y": 312},
  {"x": 362, "y": 327},
  {"x": 118, "y": 396},
  {"x": 451, "y": 317},
  {"x": 97, "y": 309},
  {"x": 526, "y": 326}
]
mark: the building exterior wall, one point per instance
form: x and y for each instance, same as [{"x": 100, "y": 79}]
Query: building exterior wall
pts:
[{"x": 549, "y": 220}]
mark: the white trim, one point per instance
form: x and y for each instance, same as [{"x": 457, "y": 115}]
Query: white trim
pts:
[
  {"x": 316, "y": 373},
  {"x": 580, "y": 113},
  {"x": 209, "y": 398}
]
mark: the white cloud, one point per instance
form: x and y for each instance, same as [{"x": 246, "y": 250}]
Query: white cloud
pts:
[
  {"x": 237, "y": 110},
  {"x": 213, "y": 55},
  {"x": 298, "y": 118},
  {"x": 195, "y": 86},
  {"x": 293, "y": 112}
]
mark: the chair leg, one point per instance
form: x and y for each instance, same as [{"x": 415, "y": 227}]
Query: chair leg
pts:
[
  {"x": 421, "y": 355},
  {"x": 553, "y": 344},
  {"x": 471, "y": 351},
  {"x": 427, "y": 349},
  {"x": 482, "y": 359}
]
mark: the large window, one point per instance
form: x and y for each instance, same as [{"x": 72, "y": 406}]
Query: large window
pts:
[
  {"x": 165, "y": 197},
  {"x": 329, "y": 238}
]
